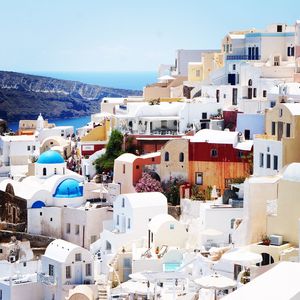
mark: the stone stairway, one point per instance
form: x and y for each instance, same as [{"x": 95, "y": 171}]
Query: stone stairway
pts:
[{"x": 102, "y": 292}]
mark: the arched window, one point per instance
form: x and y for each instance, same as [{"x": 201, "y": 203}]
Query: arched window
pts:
[
  {"x": 181, "y": 157},
  {"x": 250, "y": 82},
  {"x": 167, "y": 156},
  {"x": 44, "y": 171}
]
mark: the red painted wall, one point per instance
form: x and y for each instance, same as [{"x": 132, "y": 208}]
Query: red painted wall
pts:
[
  {"x": 90, "y": 152},
  {"x": 226, "y": 152}
]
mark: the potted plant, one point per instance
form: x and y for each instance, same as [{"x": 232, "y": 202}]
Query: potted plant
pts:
[{"x": 266, "y": 240}]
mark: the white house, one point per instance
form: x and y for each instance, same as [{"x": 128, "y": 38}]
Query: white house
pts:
[
  {"x": 131, "y": 215},
  {"x": 65, "y": 265}
]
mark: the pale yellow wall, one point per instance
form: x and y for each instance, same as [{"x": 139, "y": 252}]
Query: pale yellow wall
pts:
[
  {"x": 195, "y": 69},
  {"x": 98, "y": 133},
  {"x": 173, "y": 167},
  {"x": 256, "y": 195},
  {"x": 290, "y": 145},
  {"x": 124, "y": 179},
  {"x": 288, "y": 212}
]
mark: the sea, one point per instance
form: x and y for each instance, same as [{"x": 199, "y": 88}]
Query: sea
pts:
[{"x": 121, "y": 80}]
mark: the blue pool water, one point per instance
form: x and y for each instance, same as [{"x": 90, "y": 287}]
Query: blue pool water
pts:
[{"x": 169, "y": 267}]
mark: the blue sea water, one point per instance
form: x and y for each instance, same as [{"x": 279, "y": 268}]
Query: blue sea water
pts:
[
  {"x": 122, "y": 80},
  {"x": 76, "y": 122}
]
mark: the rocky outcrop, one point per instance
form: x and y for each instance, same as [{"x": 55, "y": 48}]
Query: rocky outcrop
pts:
[{"x": 24, "y": 96}]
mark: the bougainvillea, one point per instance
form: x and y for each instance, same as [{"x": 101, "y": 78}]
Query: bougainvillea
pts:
[{"x": 148, "y": 184}]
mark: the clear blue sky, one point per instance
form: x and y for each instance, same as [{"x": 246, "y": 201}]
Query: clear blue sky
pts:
[{"x": 128, "y": 35}]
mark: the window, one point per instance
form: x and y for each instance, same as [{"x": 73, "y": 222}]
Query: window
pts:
[
  {"x": 261, "y": 160},
  {"x": 232, "y": 221},
  {"x": 123, "y": 202},
  {"x": 204, "y": 115},
  {"x": 273, "y": 128},
  {"x": 51, "y": 270},
  {"x": 268, "y": 161},
  {"x": 275, "y": 162},
  {"x": 247, "y": 134},
  {"x": 68, "y": 272},
  {"x": 280, "y": 112},
  {"x": 199, "y": 178},
  {"x": 68, "y": 228},
  {"x": 44, "y": 171},
  {"x": 288, "y": 130},
  {"x": 233, "y": 67},
  {"x": 64, "y": 171},
  {"x": 164, "y": 124},
  {"x": 77, "y": 256},
  {"x": 167, "y": 157},
  {"x": 55, "y": 171},
  {"x": 250, "y": 82},
  {"x": 124, "y": 169},
  {"x": 93, "y": 238},
  {"x": 264, "y": 93},
  {"x": 254, "y": 92},
  {"x": 137, "y": 167},
  {"x": 88, "y": 270},
  {"x": 230, "y": 47},
  {"x": 51, "y": 219},
  {"x": 118, "y": 219},
  {"x": 28, "y": 148},
  {"x": 33, "y": 147},
  {"x": 197, "y": 73},
  {"x": 108, "y": 245},
  {"x": 76, "y": 229},
  {"x": 41, "y": 213},
  {"x": 172, "y": 226},
  {"x": 213, "y": 153},
  {"x": 240, "y": 154},
  {"x": 279, "y": 28},
  {"x": 129, "y": 223},
  {"x": 181, "y": 157},
  {"x": 1, "y": 250},
  {"x": 1, "y": 295}
]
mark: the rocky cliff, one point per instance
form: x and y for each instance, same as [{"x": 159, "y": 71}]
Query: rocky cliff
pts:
[{"x": 24, "y": 96}]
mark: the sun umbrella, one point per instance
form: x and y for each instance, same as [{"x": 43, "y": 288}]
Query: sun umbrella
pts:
[
  {"x": 211, "y": 232},
  {"x": 216, "y": 282},
  {"x": 243, "y": 258}
]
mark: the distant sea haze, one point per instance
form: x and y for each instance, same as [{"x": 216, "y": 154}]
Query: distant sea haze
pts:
[{"x": 122, "y": 80}]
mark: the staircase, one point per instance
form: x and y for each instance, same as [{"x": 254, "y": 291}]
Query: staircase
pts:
[{"x": 102, "y": 291}]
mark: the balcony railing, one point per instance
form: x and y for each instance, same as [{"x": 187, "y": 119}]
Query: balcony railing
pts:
[
  {"x": 46, "y": 279},
  {"x": 243, "y": 57}
]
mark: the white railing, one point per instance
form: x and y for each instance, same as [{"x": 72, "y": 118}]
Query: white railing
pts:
[{"x": 46, "y": 279}]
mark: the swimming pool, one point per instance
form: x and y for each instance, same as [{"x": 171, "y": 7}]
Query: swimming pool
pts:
[{"x": 169, "y": 267}]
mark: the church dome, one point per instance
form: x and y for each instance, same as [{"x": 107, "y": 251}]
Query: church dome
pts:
[
  {"x": 69, "y": 188},
  {"x": 50, "y": 157}
]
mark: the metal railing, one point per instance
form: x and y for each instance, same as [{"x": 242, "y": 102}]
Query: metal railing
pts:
[
  {"x": 46, "y": 279},
  {"x": 243, "y": 57}
]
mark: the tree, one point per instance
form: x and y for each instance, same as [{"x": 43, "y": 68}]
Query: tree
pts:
[
  {"x": 171, "y": 189},
  {"x": 148, "y": 184},
  {"x": 113, "y": 150}
]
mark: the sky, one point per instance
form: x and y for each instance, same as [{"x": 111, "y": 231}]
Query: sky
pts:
[{"x": 123, "y": 35}]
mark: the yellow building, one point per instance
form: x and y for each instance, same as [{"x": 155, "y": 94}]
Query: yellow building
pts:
[
  {"x": 198, "y": 71},
  {"x": 98, "y": 133}
]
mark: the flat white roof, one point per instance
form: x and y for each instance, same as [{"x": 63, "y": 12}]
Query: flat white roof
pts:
[
  {"x": 140, "y": 200},
  {"x": 17, "y": 138},
  {"x": 281, "y": 282},
  {"x": 215, "y": 136}
]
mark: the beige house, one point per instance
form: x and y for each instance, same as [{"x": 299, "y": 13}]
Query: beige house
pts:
[
  {"x": 284, "y": 221},
  {"x": 174, "y": 159},
  {"x": 164, "y": 89}
]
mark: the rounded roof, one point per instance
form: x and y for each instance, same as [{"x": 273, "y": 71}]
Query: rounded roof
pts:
[
  {"x": 292, "y": 172},
  {"x": 157, "y": 221},
  {"x": 69, "y": 188},
  {"x": 50, "y": 157},
  {"x": 60, "y": 250}
]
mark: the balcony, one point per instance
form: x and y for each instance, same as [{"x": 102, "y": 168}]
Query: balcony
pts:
[
  {"x": 242, "y": 57},
  {"x": 46, "y": 279}
]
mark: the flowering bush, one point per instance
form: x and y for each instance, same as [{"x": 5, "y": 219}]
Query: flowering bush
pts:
[{"x": 148, "y": 184}]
